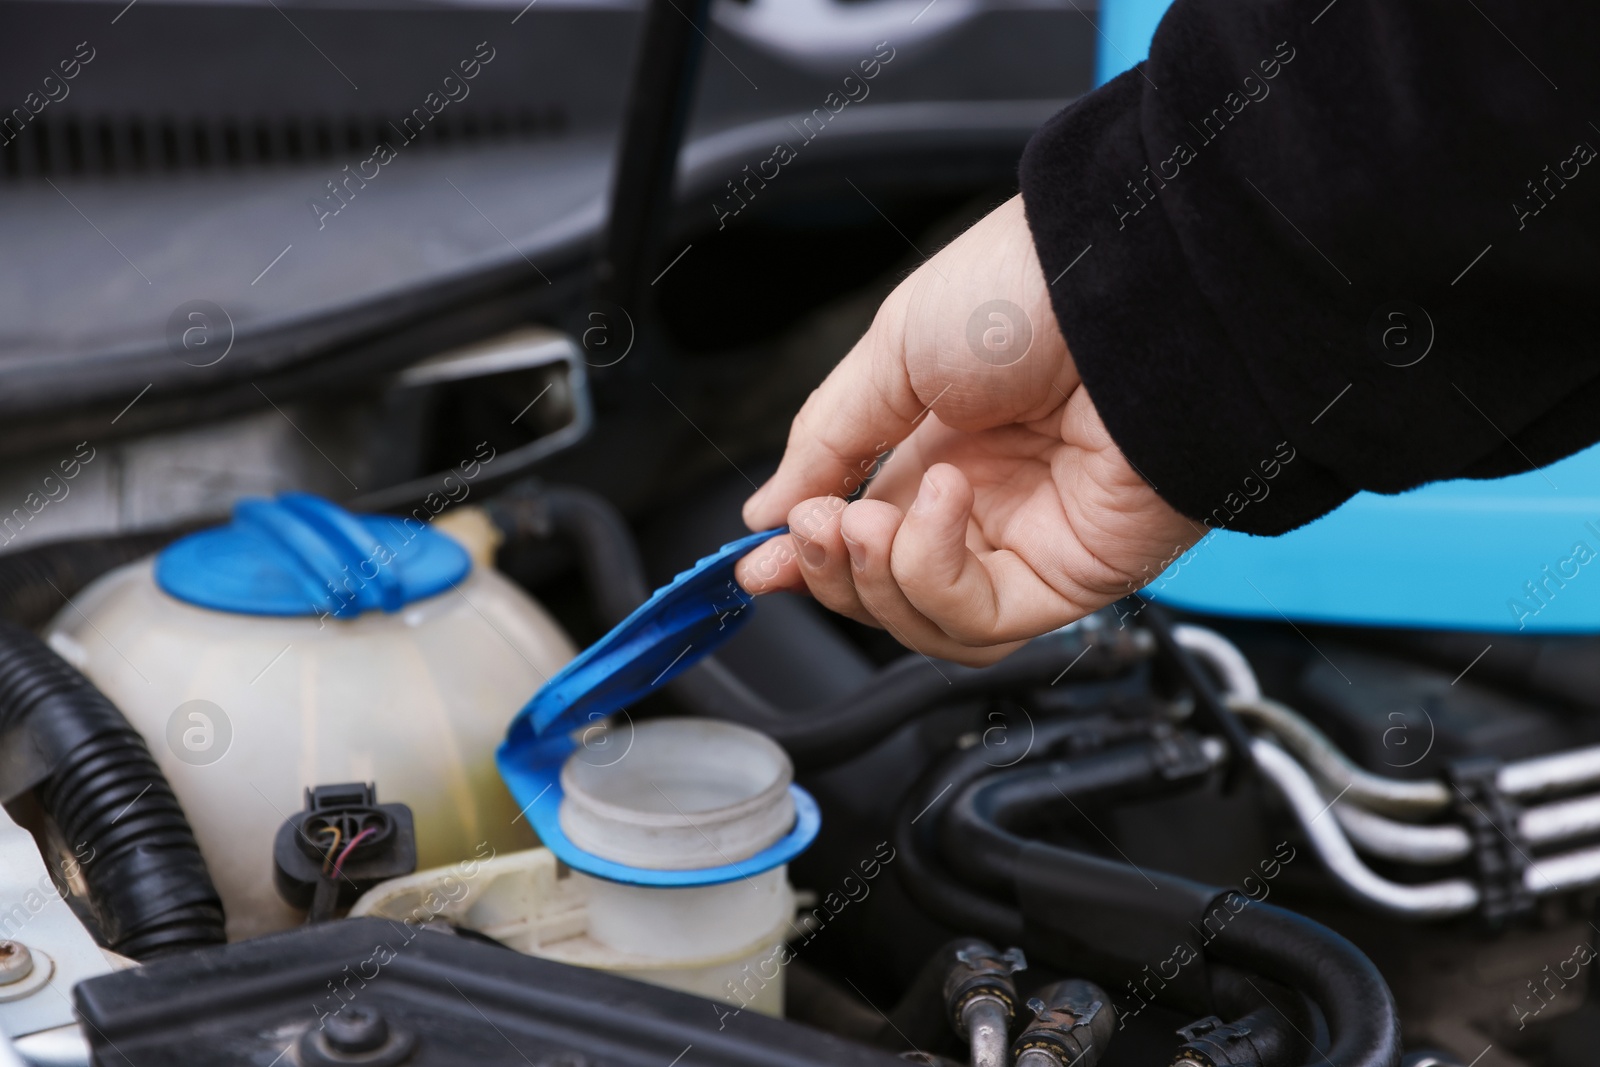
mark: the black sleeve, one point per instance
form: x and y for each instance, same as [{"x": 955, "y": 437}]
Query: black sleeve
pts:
[{"x": 1310, "y": 248}]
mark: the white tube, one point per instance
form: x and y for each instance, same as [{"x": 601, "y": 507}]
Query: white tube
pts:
[
  {"x": 1556, "y": 874},
  {"x": 1379, "y": 836},
  {"x": 1389, "y": 838},
  {"x": 1562, "y": 819},
  {"x": 1432, "y": 900},
  {"x": 1540, "y": 775},
  {"x": 1223, "y": 656},
  {"x": 1391, "y": 796},
  {"x": 1550, "y": 774}
]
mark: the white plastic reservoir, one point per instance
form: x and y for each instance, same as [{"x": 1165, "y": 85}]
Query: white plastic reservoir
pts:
[
  {"x": 673, "y": 794},
  {"x": 405, "y": 678}
]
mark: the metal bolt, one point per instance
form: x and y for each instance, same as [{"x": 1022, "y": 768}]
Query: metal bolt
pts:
[
  {"x": 16, "y": 962},
  {"x": 357, "y": 1030}
]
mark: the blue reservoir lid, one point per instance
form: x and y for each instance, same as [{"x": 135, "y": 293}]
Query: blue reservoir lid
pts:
[
  {"x": 303, "y": 555},
  {"x": 681, "y": 623},
  {"x": 672, "y": 631}
]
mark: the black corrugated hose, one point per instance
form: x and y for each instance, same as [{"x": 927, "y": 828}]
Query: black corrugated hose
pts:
[
  {"x": 148, "y": 884},
  {"x": 36, "y": 582}
]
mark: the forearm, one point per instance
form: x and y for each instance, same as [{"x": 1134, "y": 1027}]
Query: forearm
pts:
[{"x": 1226, "y": 228}]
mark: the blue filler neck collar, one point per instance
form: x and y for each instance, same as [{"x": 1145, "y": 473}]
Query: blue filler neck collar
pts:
[{"x": 679, "y": 625}]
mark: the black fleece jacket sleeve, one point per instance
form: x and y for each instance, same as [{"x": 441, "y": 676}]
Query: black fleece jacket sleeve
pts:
[{"x": 1311, "y": 248}]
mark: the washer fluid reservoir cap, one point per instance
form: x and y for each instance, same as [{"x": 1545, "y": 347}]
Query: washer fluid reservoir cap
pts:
[
  {"x": 303, "y": 555},
  {"x": 678, "y": 626},
  {"x": 682, "y": 623}
]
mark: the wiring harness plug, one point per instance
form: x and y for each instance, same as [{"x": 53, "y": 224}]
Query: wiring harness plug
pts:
[{"x": 341, "y": 845}]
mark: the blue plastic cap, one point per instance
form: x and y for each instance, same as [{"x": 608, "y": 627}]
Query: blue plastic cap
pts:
[
  {"x": 680, "y": 624},
  {"x": 302, "y": 555},
  {"x": 672, "y": 631}
]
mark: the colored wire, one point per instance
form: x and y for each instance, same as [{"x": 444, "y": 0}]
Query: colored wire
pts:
[
  {"x": 338, "y": 865},
  {"x": 327, "y": 860}
]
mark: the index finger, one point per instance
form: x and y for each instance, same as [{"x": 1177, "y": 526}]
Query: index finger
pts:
[{"x": 865, "y": 406}]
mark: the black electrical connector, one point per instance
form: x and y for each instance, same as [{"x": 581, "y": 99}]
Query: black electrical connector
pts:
[
  {"x": 1499, "y": 851},
  {"x": 1211, "y": 711},
  {"x": 342, "y": 844}
]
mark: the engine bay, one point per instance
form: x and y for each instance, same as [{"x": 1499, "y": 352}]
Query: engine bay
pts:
[
  {"x": 373, "y": 690},
  {"x": 1134, "y": 839}
]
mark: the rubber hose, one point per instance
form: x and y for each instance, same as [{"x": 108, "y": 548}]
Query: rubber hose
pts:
[
  {"x": 947, "y": 900},
  {"x": 1076, "y": 1023},
  {"x": 1262, "y": 938},
  {"x": 925, "y": 882},
  {"x": 842, "y": 729},
  {"x": 36, "y": 582},
  {"x": 976, "y": 827},
  {"x": 921, "y": 875},
  {"x": 92, "y": 773},
  {"x": 837, "y": 731},
  {"x": 921, "y": 1017},
  {"x": 599, "y": 533},
  {"x": 1303, "y": 954},
  {"x": 1270, "y": 1019}
]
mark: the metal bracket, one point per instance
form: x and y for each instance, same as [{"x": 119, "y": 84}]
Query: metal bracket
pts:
[{"x": 34, "y": 915}]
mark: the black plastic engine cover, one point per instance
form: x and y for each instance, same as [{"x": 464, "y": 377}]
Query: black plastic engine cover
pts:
[{"x": 463, "y": 1001}]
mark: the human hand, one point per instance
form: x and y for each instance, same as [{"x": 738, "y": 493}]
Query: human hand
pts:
[{"x": 1006, "y": 509}]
